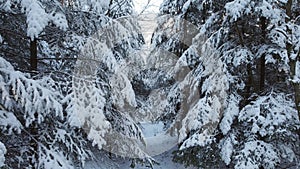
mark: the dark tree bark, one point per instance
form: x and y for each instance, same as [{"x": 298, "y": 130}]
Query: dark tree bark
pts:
[
  {"x": 288, "y": 9},
  {"x": 263, "y": 21},
  {"x": 249, "y": 84},
  {"x": 34, "y": 128},
  {"x": 33, "y": 55}
]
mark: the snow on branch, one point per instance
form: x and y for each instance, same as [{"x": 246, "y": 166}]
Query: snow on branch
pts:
[
  {"x": 37, "y": 18},
  {"x": 268, "y": 9},
  {"x": 50, "y": 158},
  {"x": 85, "y": 110},
  {"x": 9, "y": 122},
  {"x": 257, "y": 154},
  {"x": 35, "y": 97},
  {"x": 2, "y": 153},
  {"x": 270, "y": 114},
  {"x": 202, "y": 118}
]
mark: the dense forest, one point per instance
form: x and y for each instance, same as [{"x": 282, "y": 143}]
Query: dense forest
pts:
[{"x": 223, "y": 76}]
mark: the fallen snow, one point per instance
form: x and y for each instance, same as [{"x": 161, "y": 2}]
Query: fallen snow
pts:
[
  {"x": 157, "y": 140},
  {"x": 159, "y": 145}
]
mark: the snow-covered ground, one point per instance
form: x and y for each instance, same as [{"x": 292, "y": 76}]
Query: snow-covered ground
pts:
[
  {"x": 164, "y": 162},
  {"x": 159, "y": 145},
  {"x": 157, "y": 140}
]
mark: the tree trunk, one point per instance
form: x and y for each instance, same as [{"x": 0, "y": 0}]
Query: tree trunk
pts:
[
  {"x": 33, "y": 55},
  {"x": 262, "y": 73},
  {"x": 263, "y": 57},
  {"x": 249, "y": 84},
  {"x": 34, "y": 127},
  {"x": 288, "y": 10}
]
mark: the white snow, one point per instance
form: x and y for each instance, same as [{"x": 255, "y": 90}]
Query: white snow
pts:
[
  {"x": 2, "y": 153},
  {"x": 277, "y": 111},
  {"x": 86, "y": 97},
  {"x": 37, "y": 18},
  {"x": 159, "y": 145},
  {"x": 60, "y": 21},
  {"x": 254, "y": 151},
  {"x": 297, "y": 75},
  {"x": 152, "y": 129},
  {"x": 238, "y": 8},
  {"x": 230, "y": 113},
  {"x": 227, "y": 148},
  {"x": 9, "y": 122},
  {"x": 157, "y": 140},
  {"x": 164, "y": 162},
  {"x": 33, "y": 95}
]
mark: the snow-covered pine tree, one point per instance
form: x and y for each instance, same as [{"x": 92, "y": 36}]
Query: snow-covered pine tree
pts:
[
  {"x": 269, "y": 67},
  {"x": 35, "y": 133},
  {"x": 32, "y": 123},
  {"x": 251, "y": 68},
  {"x": 28, "y": 18},
  {"x": 89, "y": 109},
  {"x": 103, "y": 71}
]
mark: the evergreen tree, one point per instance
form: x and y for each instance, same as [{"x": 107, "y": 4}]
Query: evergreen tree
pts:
[
  {"x": 48, "y": 116},
  {"x": 237, "y": 58}
]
